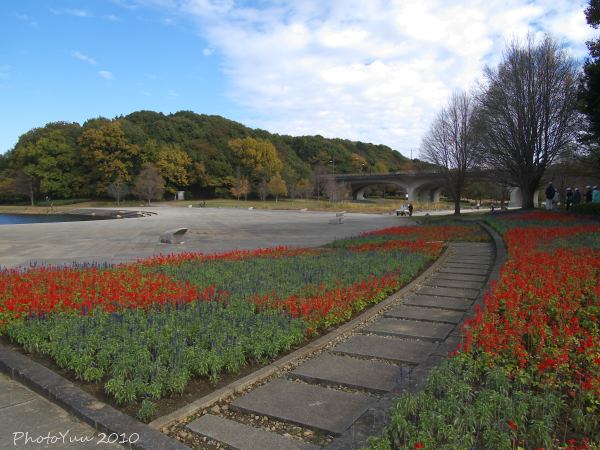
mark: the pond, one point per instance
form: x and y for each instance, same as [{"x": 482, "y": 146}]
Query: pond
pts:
[{"x": 10, "y": 219}]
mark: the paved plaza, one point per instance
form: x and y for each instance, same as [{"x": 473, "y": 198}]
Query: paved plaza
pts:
[{"x": 210, "y": 230}]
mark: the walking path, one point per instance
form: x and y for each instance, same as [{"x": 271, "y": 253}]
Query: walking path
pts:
[{"x": 345, "y": 391}]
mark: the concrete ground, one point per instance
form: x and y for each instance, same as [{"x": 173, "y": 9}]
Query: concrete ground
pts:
[
  {"x": 29, "y": 421},
  {"x": 210, "y": 230}
]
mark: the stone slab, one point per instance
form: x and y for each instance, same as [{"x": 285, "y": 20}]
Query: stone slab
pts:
[
  {"x": 243, "y": 437},
  {"x": 352, "y": 372},
  {"x": 471, "y": 294},
  {"x": 392, "y": 349},
  {"x": 425, "y": 314},
  {"x": 461, "y": 277},
  {"x": 462, "y": 270},
  {"x": 413, "y": 329},
  {"x": 305, "y": 405},
  {"x": 471, "y": 259},
  {"x": 467, "y": 265},
  {"x": 431, "y": 301},
  {"x": 441, "y": 282}
]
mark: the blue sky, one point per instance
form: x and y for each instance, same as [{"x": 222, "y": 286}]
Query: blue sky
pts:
[{"x": 371, "y": 70}]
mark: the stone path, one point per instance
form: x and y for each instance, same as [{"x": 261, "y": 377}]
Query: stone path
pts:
[{"x": 341, "y": 386}]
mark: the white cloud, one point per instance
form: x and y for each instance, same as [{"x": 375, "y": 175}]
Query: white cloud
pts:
[
  {"x": 207, "y": 52},
  {"x": 25, "y": 18},
  {"x": 376, "y": 71},
  {"x": 111, "y": 17},
  {"x": 106, "y": 74},
  {"x": 83, "y": 57},
  {"x": 71, "y": 12}
]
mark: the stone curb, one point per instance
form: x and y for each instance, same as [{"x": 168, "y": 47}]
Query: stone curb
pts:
[
  {"x": 375, "y": 419},
  {"x": 100, "y": 416},
  {"x": 318, "y": 344}
]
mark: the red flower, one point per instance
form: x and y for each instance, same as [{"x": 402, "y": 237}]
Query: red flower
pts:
[
  {"x": 512, "y": 425},
  {"x": 419, "y": 445}
]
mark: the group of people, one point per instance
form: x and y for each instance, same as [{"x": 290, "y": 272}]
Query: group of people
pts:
[{"x": 572, "y": 197}]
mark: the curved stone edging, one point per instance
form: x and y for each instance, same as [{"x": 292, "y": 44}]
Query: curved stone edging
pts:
[
  {"x": 318, "y": 344},
  {"x": 99, "y": 415}
]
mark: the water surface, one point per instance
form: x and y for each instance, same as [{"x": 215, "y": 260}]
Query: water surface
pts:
[{"x": 10, "y": 219}]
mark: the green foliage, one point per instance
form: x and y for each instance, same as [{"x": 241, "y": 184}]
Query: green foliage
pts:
[
  {"x": 295, "y": 275},
  {"x": 467, "y": 405},
  {"x": 141, "y": 354},
  {"x": 189, "y": 149},
  {"x": 147, "y": 410},
  {"x": 587, "y": 208}
]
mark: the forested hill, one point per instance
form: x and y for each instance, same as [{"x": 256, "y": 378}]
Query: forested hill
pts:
[{"x": 192, "y": 151}]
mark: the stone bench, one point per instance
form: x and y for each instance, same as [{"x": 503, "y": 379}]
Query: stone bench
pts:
[
  {"x": 339, "y": 218},
  {"x": 173, "y": 236}
]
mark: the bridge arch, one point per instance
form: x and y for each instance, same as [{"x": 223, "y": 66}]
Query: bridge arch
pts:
[{"x": 423, "y": 187}]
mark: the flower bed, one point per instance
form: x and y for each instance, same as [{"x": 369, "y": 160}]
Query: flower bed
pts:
[
  {"x": 538, "y": 333},
  {"x": 145, "y": 329}
]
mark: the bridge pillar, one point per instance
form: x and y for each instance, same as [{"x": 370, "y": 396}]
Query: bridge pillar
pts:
[
  {"x": 536, "y": 198},
  {"x": 515, "y": 197},
  {"x": 412, "y": 195},
  {"x": 435, "y": 195},
  {"x": 360, "y": 194}
]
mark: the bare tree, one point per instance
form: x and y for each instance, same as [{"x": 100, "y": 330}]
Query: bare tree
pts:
[
  {"x": 452, "y": 143},
  {"x": 25, "y": 184},
  {"x": 529, "y": 111},
  {"x": 117, "y": 190},
  {"x": 319, "y": 180},
  {"x": 241, "y": 187},
  {"x": 262, "y": 188},
  {"x": 336, "y": 192},
  {"x": 149, "y": 184}
]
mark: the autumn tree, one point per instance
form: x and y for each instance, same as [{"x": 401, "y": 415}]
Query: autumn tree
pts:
[
  {"x": 304, "y": 187},
  {"x": 149, "y": 184},
  {"x": 529, "y": 112},
  {"x": 277, "y": 187},
  {"x": 452, "y": 143},
  {"x": 107, "y": 154},
  {"x": 175, "y": 166},
  {"x": 258, "y": 156},
  {"x": 240, "y": 188},
  {"x": 358, "y": 162}
]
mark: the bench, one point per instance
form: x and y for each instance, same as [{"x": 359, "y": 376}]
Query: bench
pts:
[
  {"x": 339, "y": 218},
  {"x": 173, "y": 236}
]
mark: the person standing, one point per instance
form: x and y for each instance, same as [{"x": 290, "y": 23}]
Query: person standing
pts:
[
  {"x": 588, "y": 194},
  {"x": 568, "y": 199},
  {"x": 555, "y": 201},
  {"x": 596, "y": 195},
  {"x": 550, "y": 191},
  {"x": 576, "y": 197}
]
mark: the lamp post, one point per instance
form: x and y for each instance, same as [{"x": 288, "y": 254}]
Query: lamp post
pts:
[{"x": 332, "y": 162}]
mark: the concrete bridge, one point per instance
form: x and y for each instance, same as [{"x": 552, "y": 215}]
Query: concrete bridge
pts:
[{"x": 419, "y": 186}]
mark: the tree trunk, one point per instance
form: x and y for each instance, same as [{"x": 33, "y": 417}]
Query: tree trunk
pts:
[
  {"x": 31, "y": 196},
  {"x": 526, "y": 196},
  {"x": 457, "y": 206}
]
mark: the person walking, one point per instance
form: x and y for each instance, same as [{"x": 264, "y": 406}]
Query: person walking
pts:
[
  {"x": 550, "y": 191},
  {"x": 576, "y": 197},
  {"x": 568, "y": 199},
  {"x": 596, "y": 195},
  {"x": 588, "y": 194},
  {"x": 555, "y": 201}
]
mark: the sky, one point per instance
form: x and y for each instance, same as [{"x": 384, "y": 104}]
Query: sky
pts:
[{"x": 370, "y": 70}]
